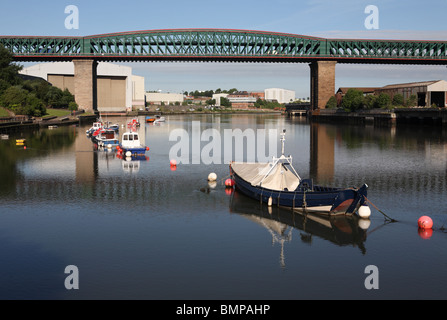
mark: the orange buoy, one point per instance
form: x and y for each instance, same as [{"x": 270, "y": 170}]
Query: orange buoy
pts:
[
  {"x": 425, "y": 222},
  {"x": 229, "y": 183},
  {"x": 173, "y": 162}
]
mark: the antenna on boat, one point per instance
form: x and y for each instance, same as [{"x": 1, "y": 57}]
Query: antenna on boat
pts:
[{"x": 283, "y": 133}]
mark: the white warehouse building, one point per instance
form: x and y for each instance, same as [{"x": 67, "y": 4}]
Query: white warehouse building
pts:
[
  {"x": 280, "y": 95},
  {"x": 117, "y": 89},
  {"x": 164, "y": 97}
]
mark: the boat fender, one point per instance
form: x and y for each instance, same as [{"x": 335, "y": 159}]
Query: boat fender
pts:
[
  {"x": 128, "y": 154},
  {"x": 212, "y": 177},
  {"x": 364, "y": 211},
  {"x": 270, "y": 202}
]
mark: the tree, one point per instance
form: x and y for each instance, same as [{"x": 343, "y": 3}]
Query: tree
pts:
[
  {"x": 370, "y": 101},
  {"x": 412, "y": 101},
  {"x": 332, "y": 103},
  {"x": 224, "y": 102},
  {"x": 73, "y": 106},
  {"x": 353, "y": 100},
  {"x": 210, "y": 102},
  {"x": 9, "y": 71},
  {"x": 398, "y": 100},
  {"x": 383, "y": 101}
]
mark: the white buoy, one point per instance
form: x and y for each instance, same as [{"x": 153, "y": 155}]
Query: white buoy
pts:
[
  {"x": 212, "y": 176},
  {"x": 364, "y": 211},
  {"x": 270, "y": 202},
  {"x": 128, "y": 154}
]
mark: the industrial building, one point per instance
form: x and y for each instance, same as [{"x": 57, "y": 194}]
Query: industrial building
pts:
[
  {"x": 165, "y": 98},
  {"x": 428, "y": 93},
  {"x": 117, "y": 89},
  {"x": 279, "y": 95}
]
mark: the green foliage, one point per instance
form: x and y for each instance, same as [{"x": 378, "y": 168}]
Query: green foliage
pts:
[
  {"x": 73, "y": 106},
  {"x": 224, "y": 102},
  {"x": 210, "y": 102},
  {"x": 383, "y": 101},
  {"x": 332, "y": 103},
  {"x": 28, "y": 97},
  {"x": 267, "y": 104},
  {"x": 353, "y": 100},
  {"x": 411, "y": 101},
  {"x": 370, "y": 101},
  {"x": 9, "y": 71},
  {"x": 398, "y": 100}
]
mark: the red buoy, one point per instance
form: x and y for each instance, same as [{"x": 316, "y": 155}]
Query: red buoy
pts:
[
  {"x": 229, "y": 183},
  {"x": 425, "y": 222}
]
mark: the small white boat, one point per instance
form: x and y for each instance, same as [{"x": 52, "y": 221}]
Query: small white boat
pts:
[
  {"x": 130, "y": 145},
  {"x": 159, "y": 119},
  {"x": 96, "y": 126}
]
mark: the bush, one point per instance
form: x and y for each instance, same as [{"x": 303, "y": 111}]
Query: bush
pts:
[
  {"x": 398, "y": 100},
  {"x": 353, "y": 100},
  {"x": 383, "y": 101},
  {"x": 73, "y": 106},
  {"x": 370, "y": 101},
  {"x": 332, "y": 103}
]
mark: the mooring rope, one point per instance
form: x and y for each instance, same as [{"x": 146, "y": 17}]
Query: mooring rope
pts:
[{"x": 386, "y": 217}]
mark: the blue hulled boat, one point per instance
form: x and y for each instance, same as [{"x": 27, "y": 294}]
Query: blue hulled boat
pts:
[
  {"x": 130, "y": 145},
  {"x": 278, "y": 183}
]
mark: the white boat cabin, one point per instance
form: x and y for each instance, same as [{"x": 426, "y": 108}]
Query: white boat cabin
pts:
[{"x": 131, "y": 140}]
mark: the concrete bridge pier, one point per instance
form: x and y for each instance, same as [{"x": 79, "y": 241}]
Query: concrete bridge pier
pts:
[
  {"x": 322, "y": 83},
  {"x": 85, "y": 84}
]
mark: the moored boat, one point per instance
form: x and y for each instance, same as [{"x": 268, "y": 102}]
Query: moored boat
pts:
[
  {"x": 95, "y": 127},
  {"x": 130, "y": 145},
  {"x": 278, "y": 183},
  {"x": 107, "y": 138},
  {"x": 159, "y": 119}
]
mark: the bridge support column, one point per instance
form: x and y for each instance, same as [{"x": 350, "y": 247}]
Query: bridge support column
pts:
[
  {"x": 85, "y": 82},
  {"x": 322, "y": 83}
]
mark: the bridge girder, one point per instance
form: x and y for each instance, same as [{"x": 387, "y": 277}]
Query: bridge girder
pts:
[{"x": 224, "y": 45}]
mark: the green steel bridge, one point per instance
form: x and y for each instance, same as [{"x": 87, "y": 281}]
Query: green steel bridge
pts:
[{"x": 225, "y": 45}]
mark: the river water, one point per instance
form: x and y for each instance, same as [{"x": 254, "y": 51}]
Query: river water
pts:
[{"x": 146, "y": 230}]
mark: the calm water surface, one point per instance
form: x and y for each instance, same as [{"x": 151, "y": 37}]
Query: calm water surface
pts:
[{"x": 140, "y": 230}]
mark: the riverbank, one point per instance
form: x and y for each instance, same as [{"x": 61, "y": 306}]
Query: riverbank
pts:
[
  {"x": 431, "y": 116},
  {"x": 16, "y": 124}
]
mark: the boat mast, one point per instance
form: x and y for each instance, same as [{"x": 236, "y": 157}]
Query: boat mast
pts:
[{"x": 283, "y": 134}]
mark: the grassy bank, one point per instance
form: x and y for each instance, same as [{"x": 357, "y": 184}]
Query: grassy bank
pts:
[
  {"x": 3, "y": 112},
  {"x": 57, "y": 113}
]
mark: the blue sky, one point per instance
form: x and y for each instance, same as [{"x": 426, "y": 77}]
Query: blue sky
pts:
[{"x": 411, "y": 19}]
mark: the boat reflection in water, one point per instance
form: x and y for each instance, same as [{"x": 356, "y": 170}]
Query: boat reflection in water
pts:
[
  {"x": 131, "y": 164},
  {"x": 341, "y": 230}
]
